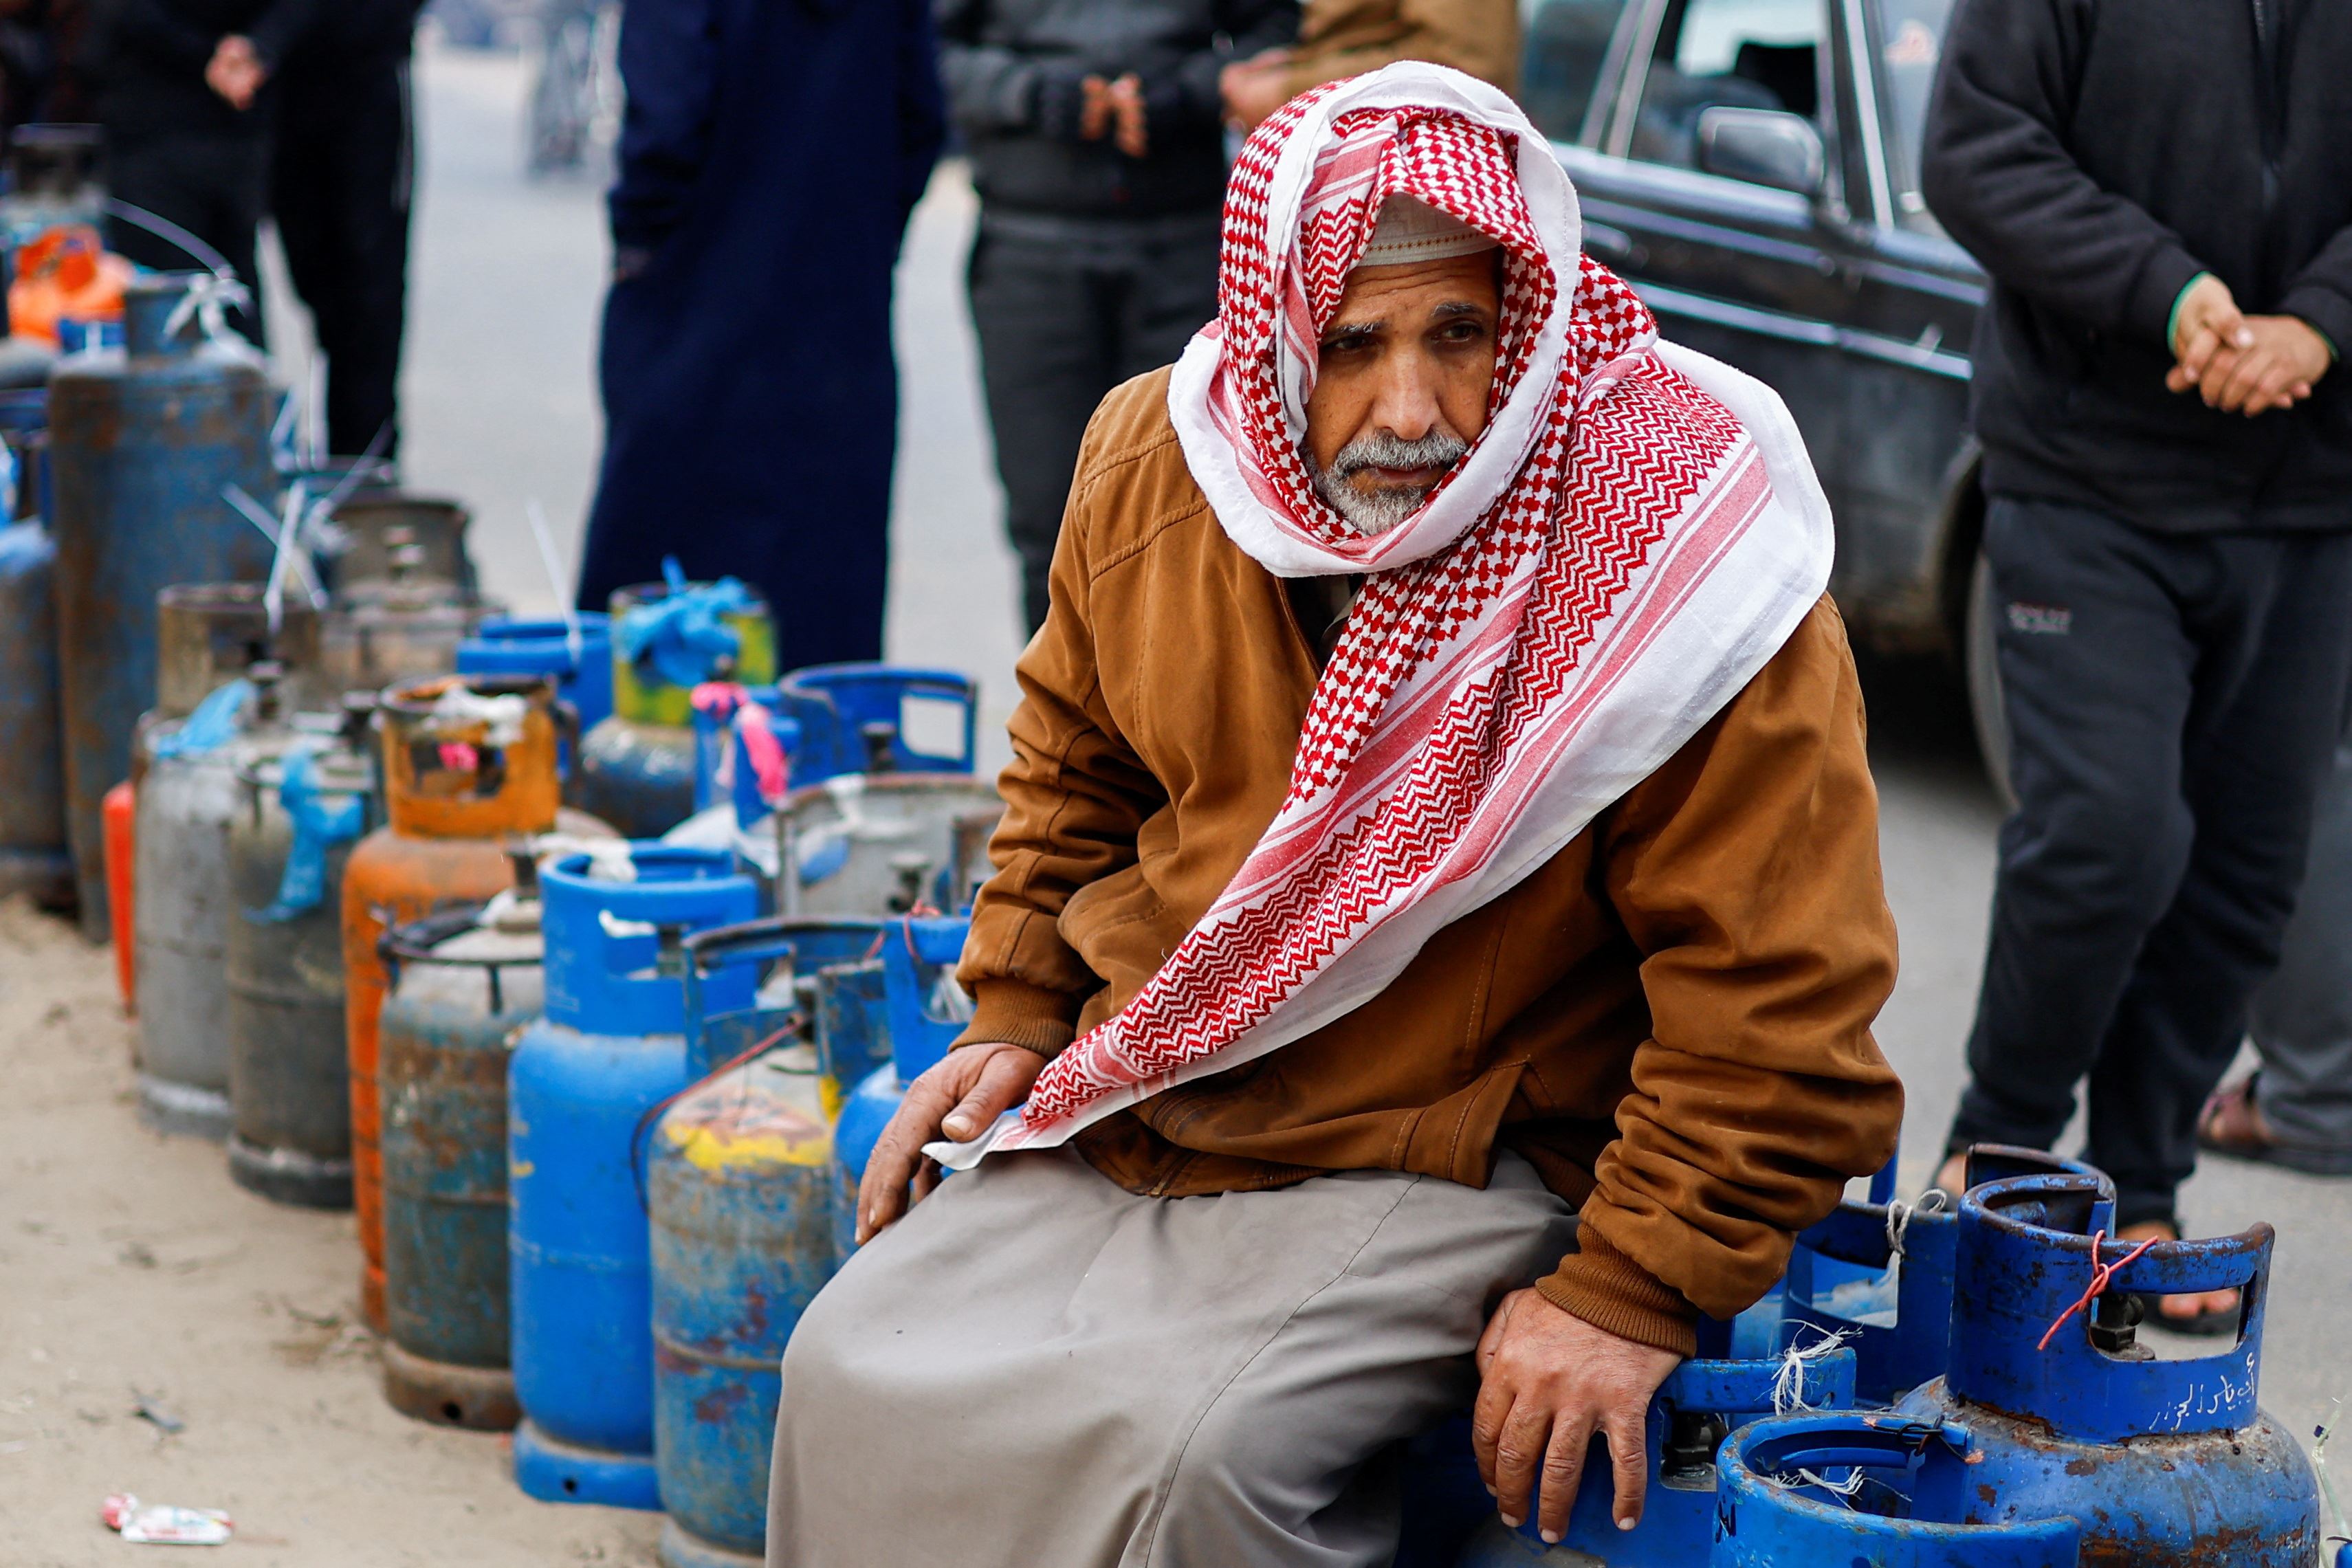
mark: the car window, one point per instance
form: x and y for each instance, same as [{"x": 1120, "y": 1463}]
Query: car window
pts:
[
  {"x": 1567, "y": 42},
  {"x": 1744, "y": 54},
  {"x": 1910, "y": 38}
]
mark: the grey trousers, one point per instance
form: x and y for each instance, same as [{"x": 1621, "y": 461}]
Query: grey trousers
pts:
[
  {"x": 2302, "y": 1021},
  {"x": 1037, "y": 1368}
]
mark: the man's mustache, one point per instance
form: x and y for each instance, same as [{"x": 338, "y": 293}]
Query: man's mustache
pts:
[{"x": 1438, "y": 449}]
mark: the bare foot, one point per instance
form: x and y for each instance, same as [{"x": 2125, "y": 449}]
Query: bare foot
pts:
[{"x": 2179, "y": 1308}]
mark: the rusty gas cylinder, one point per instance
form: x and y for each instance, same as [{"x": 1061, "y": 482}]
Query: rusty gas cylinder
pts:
[
  {"x": 467, "y": 763},
  {"x": 406, "y": 627},
  {"x": 464, "y": 983}
]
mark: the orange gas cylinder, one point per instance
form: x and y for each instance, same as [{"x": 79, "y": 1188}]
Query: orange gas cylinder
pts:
[
  {"x": 467, "y": 761},
  {"x": 117, "y": 813},
  {"x": 67, "y": 271}
]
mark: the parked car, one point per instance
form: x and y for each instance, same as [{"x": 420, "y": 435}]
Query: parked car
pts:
[{"x": 1752, "y": 167}]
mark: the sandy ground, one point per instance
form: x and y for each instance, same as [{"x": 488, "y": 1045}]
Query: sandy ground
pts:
[{"x": 132, "y": 1270}]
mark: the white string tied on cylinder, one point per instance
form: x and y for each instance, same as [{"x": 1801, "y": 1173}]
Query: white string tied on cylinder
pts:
[
  {"x": 1789, "y": 1382},
  {"x": 210, "y": 298},
  {"x": 1898, "y": 1218}
]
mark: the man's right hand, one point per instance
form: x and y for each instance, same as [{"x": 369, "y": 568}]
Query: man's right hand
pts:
[
  {"x": 958, "y": 1099},
  {"x": 2207, "y": 323}
]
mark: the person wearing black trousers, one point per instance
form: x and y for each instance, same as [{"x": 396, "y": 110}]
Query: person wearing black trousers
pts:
[
  {"x": 340, "y": 188},
  {"x": 186, "y": 89},
  {"x": 2162, "y": 194}
]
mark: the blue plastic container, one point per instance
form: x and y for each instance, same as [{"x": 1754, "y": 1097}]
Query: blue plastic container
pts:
[
  {"x": 1774, "y": 1511},
  {"x": 582, "y": 675},
  {"x": 583, "y": 1081},
  {"x": 2166, "y": 1464},
  {"x": 1698, "y": 1404},
  {"x": 738, "y": 1178},
  {"x": 140, "y": 444},
  {"x": 1847, "y": 1275},
  {"x": 843, "y": 711}
]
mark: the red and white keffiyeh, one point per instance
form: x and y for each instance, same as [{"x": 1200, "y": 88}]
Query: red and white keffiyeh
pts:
[{"x": 1635, "y": 533}]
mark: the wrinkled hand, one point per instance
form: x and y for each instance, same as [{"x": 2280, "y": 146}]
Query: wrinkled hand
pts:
[
  {"x": 236, "y": 71},
  {"x": 959, "y": 1098},
  {"x": 1254, "y": 88},
  {"x": 1548, "y": 1382},
  {"x": 2275, "y": 365}
]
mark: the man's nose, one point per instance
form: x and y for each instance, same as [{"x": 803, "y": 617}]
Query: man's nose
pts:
[{"x": 1406, "y": 406}]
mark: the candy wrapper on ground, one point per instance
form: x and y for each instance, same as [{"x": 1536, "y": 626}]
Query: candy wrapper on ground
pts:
[{"x": 163, "y": 1524}]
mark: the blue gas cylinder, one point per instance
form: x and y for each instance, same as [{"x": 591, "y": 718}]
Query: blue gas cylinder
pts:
[
  {"x": 1880, "y": 1273},
  {"x": 881, "y": 718},
  {"x": 916, "y": 956},
  {"x": 584, "y": 1079},
  {"x": 1869, "y": 1491},
  {"x": 2164, "y": 1463},
  {"x": 786, "y": 953},
  {"x": 32, "y": 854},
  {"x": 580, "y": 666},
  {"x": 140, "y": 444},
  {"x": 740, "y": 1193},
  {"x": 1700, "y": 1402}
]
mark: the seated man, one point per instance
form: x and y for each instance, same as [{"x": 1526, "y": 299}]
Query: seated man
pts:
[{"x": 1435, "y": 931}]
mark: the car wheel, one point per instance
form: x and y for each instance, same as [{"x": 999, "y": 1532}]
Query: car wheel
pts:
[{"x": 1984, "y": 682}]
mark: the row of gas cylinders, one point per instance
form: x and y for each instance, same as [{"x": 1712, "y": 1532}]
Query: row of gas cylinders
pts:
[{"x": 1939, "y": 1389}]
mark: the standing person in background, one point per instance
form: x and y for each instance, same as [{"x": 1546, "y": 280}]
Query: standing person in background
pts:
[
  {"x": 2163, "y": 197},
  {"x": 182, "y": 88},
  {"x": 341, "y": 184},
  {"x": 1340, "y": 38},
  {"x": 770, "y": 151},
  {"x": 1098, "y": 147}
]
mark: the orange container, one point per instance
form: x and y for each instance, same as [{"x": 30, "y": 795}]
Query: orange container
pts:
[
  {"x": 453, "y": 791},
  {"x": 67, "y": 271},
  {"x": 116, "y": 812}
]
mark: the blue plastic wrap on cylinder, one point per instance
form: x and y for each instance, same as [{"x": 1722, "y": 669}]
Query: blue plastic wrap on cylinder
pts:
[
  {"x": 582, "y": 1082},
  {"x": 1700, "y": 1402},
  {"x": 581, "y": 667},
  {"x": 739, "y": 1195},
  {"x": 906, "y": 720},
  {"x": 140, "y": 444},
  {"x": 2165, "y": 1463},
  {"x": 33, "y": 853},
  {"x": 1864, "y": 1491},
  {"x": 1880, "y": 1272}
]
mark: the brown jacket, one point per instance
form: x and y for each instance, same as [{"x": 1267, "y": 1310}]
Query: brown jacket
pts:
[
  {"x": 1671, "y": 1019},
  {"x": 1348, "y": 38}
]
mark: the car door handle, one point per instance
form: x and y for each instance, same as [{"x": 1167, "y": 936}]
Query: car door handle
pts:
[{"x": 1614, "y": 244}]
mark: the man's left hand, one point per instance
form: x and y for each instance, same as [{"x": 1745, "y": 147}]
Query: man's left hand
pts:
[
  {"x": 2276, "y": 369},
  {"x": 1548, "y": 1382}
]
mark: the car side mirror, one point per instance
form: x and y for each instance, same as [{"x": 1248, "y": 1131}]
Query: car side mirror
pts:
[{"x": 1763, "y": 147}]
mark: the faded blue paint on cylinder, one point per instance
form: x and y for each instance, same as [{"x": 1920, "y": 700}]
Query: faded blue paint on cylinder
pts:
[
  {"x": 737, "y": 1182},
  {"x": 1770, "y": 1513},
  {"x": 1845, "y": 1276},
  {"x": 1700, "y": 1402},
  {"x": 583, "y": 1082},
  {"x": 33, "y": 853},
  {"x": 140, "y": 444},
  {"x": 582, "y": 675},
  {"x": 460, "y": 990},
  {"x": 2165, "y": 1463}
]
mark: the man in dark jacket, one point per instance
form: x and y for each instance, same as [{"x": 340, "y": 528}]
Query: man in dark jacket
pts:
[
  {"x": 1095, "y": 128},
  {"x": 2163, "y": 197},
  {"x": 769, "y": 154},
  {"x": 341, "y": 184},
  {"x": 182, "y": 88}
]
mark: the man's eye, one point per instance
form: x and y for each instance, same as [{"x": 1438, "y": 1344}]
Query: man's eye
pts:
[
  {"x": 1349, "y": 344},
  {"x": 1464, "y": 332}
]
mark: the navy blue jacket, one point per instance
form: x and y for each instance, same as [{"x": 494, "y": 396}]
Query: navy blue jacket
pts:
[{"x": 769, "y": 154}]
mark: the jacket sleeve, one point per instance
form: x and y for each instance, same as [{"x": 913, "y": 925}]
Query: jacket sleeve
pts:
[
  {"x": 1188, "y": 96},
  {"x": 1076, "y": 795},
  {"x": 156, "y": 33},
  {"x": 1480, "y": 38},
  {"x": 2322, "y": 293},
  {"x": 922, "y": 111},
  {"x": 993, "y": 90},
  {"x": 1745, "y": 871},
  {"x": 1996, "y": 172},
  {"x": 669, "y": 69}
]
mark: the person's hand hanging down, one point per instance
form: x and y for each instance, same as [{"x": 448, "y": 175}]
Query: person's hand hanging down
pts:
[
  {"x": 236, "y": 71},
  {"x": 1254, "y": 88},
  {"x": 1548, "y": 1383},
  {"x": 1115, "y": 108},
  {"x": 957, "y": 1099},
  {"x": 2240, "y": 363}
]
